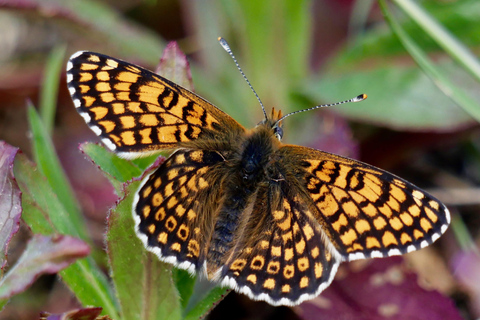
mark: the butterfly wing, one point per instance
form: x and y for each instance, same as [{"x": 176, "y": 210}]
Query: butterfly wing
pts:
[
  {"x": 365, "y": 212},
  {"x": 136, "y": 111},
  {"x": 175, "y": 205},
  {"x": 283, "y": 256}
]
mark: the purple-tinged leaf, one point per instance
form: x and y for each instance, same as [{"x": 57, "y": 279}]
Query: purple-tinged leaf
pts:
[
  {"x": 77, "y": 314},
  {"x": 43, "y": 255},
  {"x": 10, "y": 201},
  {"x": 466, "y": 267},
  {"x": 377, "y": 289},
  {"x": 330, "y": 132},
  {"x": 174, "y": 66}
]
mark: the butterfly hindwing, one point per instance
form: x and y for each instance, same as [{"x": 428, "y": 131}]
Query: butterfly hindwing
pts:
[
  {"x": 174, "y": 207},
  {"x": 136, "y": 111},
  {"x": 283, "y": 257},
  {"x": 365, "y": 211}
]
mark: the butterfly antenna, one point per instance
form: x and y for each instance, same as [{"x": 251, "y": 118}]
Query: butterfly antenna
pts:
[
  {"x": 226, "y": 47},
  {"x": 356, "y": 99}
]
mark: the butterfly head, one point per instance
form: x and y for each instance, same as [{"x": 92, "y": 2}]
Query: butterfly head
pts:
[{"x": 274, "y": 123}]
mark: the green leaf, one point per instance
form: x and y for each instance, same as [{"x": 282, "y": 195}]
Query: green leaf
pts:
[
  {"x": 49, "y": 165},
  {"x": 185, "y": 284},
  {"x": 43, "y": 213},
  {"x": 401, "y": 98},
  {"x": 38, "y": 199},
  {"x": 116, "y": 169},
  {"x": 145, "y": 162},
  {"x": 144, "y": 285},
  {"x": 438, "y": 76},
  {"x": 207, "y": 303},
  {"x": 49, "y": 90}
]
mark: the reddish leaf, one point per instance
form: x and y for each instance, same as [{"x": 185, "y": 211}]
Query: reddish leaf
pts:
[
  {"x": 78, "y": 314},
  {"x": 43, "y": 255},
  {"x": 329, "y": 132},
  {"x": 10, "y": 200},
  {"x": 375, "y": 290},
  {"x": 174, "y": 63}
]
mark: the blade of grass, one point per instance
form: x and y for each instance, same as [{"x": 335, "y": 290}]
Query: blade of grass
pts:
[
  {"x": 127, "y": 35},
  {"x": 49, "y": 90},
  {"x": 443, "y": 83},
  {"x": 457, "y": 50},
  {"x": 49, "y": 165},
  {"x": 462, "y": 234}
]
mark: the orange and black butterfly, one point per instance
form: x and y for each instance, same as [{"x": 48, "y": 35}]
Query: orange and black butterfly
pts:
[{"x": 270, "y": 220}]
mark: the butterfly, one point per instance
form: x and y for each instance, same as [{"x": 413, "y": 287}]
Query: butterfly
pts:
[{"x": 269, "y": 220}]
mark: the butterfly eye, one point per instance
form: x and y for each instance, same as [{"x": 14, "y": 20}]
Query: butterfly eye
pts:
[{"x": 278, "y": 132}]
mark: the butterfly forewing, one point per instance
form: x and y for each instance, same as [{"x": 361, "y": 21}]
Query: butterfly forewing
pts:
[
  {"x": 368, "y": 212},
  {"x": 136, "y": 111}
]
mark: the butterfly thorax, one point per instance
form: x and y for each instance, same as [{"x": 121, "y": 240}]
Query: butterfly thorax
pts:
[{"x": 249, "y": 168}]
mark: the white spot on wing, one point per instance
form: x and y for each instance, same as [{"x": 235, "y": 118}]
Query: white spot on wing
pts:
[
  {"x": 423, "y": 244},
  {"x": 87, "y": 118},
  {"x": 96, "y": 129},
  {"x": 69, "y": 66},
  {"x": 411, "y": 248},
  {"x": 447, "y": 215},
  {"x": 75, "y": 55},
  {"x": 376, "y": 254},
  {"x": 435, "y": 237},
  {"x": 356, "y": 256},
  {"x": 443, "y": 228},
  {"x": 109, "y": 144},
  {"x": 77, "y": 103},
  {"x": 135, "y": 155},
  {"x": 394, "y": 252}
]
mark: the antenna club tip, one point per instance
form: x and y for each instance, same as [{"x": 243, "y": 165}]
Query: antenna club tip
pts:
[
  {"x": 360, "y": 97},
  {"x": 224, "y": 44}
]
